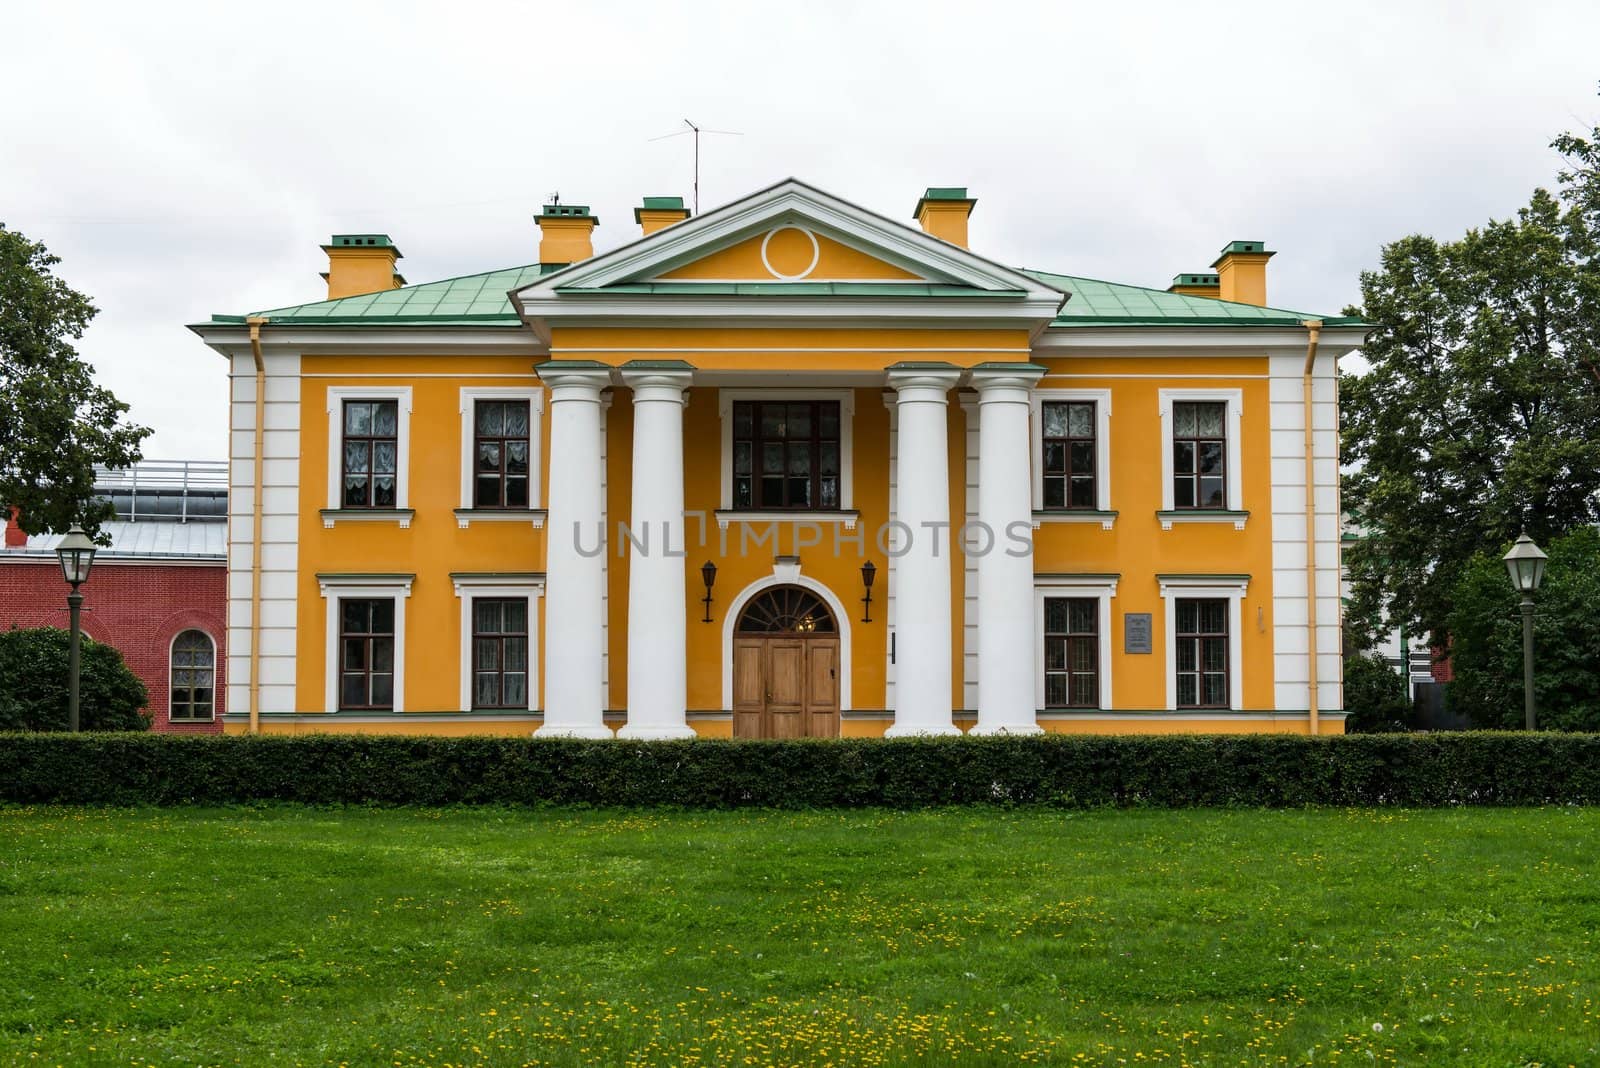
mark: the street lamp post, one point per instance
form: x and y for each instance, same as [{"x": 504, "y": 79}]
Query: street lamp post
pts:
[
  {"x": 76, "y": 553},
  {"x": 1525, "y": 565}
]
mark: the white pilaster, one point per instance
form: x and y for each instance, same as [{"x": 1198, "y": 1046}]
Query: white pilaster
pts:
[
  {"x": 923, "y": 702},
  {"x": 1007, "y": 635},
  {"x": 657, "y": 606},
  {"x": 574, "y": 642}
]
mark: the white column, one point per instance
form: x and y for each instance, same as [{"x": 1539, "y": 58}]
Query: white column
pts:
[
  {"x": 657, "y": 604},
  {"x": 1007, "y": 630},
  {"x": 923, "y": 702},
  {"x": 574, "y": 633}
]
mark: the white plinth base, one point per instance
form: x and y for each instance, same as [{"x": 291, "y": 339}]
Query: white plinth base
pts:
[
  {"x": 656, "y": 734},
  {"x": 555, "y": 730},
  {"x": 898, "y": 731},
  {"x": 995, "y": 731}
]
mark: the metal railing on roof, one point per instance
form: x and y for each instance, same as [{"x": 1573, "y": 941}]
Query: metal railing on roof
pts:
[{"x": 166, "y": 490}]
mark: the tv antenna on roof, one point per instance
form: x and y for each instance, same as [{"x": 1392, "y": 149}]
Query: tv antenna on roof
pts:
[{"x": 697, "y": 131}]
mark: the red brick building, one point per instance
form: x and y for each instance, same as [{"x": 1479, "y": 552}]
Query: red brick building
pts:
[{"x": 158, "y": 592}]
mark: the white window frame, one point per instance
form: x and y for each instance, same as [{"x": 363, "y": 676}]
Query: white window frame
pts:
[
  {"x": 337, "y": 395},
  {"x": 1102, "y": 588},
  {"x": 1187, "y": 587},
  {"x": 498, "y": 586},
  {"x": 173, "y": 644},
  {"x": 470, "y": 395},
  {"x": 1234, "y": 399},
  {"x": 338, "y": 587},
  {"x": 847, "y": 412},
  {"x": 1102, "y": 451}
]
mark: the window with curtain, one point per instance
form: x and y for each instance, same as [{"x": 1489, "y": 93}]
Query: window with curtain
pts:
[{"x": 192, "y": 693}]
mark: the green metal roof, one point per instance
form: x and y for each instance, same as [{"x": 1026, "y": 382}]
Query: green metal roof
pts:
[
  {"x": 472, "y": 298},
  {"x": 483, "y": 300},
  {"x": 1097, "y": 303}
]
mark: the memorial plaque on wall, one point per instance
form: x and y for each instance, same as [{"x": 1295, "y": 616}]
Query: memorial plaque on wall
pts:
[{"x": 1136, "y": 632}]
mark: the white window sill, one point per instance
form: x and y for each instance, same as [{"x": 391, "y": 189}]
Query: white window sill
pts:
[
  {"x": 465, "y": 517},
  {"x": 403, "y": 516},
  {"x": 1200, "y": 516},
  {"x": 1107, "y": 520},
  {"x": 733, "y": 515}
]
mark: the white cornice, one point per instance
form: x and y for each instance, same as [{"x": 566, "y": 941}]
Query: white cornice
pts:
[
  {"x": 232, "y": 339},
  {"x": 1184, "y": 340}
]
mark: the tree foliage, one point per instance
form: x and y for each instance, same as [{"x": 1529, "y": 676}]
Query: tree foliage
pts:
[
  {"x": 1480, "y": 415},
  {"x": 1486, "y": 649},
  {"x": 56, "y": 424},
  {"x": 33, "y": 684},
  {"x": 1375, "y": 697}
]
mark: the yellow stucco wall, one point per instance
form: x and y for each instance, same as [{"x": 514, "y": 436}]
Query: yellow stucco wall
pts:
[
  {"x": 1137, "y": 548},
  {"x": 434, "y": 546}
]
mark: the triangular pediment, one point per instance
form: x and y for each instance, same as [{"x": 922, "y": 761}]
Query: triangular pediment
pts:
[{"x": 788, "y": 249}]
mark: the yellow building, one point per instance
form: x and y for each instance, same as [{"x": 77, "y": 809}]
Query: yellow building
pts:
[{"x": 788, "y": 468}]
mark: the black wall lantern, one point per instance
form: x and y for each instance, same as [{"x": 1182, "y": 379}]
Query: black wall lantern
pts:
[
  {"x": 708, "y": 574},
  {"x": 868, "y": 573}
]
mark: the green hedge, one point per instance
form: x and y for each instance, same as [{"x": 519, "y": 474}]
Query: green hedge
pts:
[{"x": 1063, "y": 771}]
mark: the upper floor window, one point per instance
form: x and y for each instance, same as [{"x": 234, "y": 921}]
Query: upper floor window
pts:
[
  {"x": 192, "y": 693},
  {"x": 371, "y": 454},
  {"x": 786, "y": 454},
  {"x": 1070, "y": 467},
  {"x": 1200, "y": 455},
  {"x": 501, "y": 449}
]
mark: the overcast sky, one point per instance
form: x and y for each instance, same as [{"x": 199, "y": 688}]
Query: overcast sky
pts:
[{"x": 184, "y": 160}]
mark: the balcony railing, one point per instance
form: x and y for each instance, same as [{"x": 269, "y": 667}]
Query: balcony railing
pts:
[{"x": 166, "y": 491}]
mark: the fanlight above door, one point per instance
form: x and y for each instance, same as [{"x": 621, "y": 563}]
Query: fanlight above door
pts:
[{"x": 786, "y": 610}]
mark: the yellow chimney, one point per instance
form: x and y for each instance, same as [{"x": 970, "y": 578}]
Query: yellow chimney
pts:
[
  {"x": 659, "y": 213},
  {"x": 360, "y": 263},
  {"x": 1195, "y": 285},
  {"x": 566, "y": 234},
  {"x": 1242, "y": 272},
  {"x": 943, "y": 212}
]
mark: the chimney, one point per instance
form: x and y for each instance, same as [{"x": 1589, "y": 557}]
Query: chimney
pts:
[
  {"x": 1242, "y": 272},
  {"x": 659, "y": 213},
  {"x": 361, "y": 263},
  {"x": 566, "y": 234},
  {"x": 1195, "y": 285},
  {"x": 943, "y": 212},
  {"x": 16, "y": 537}
]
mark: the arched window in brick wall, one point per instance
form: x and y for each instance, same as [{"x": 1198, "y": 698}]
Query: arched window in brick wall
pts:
[{"x": 193, "y": 676}]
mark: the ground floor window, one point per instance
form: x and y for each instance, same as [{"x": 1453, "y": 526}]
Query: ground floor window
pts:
[
  {"x": 366, "y": 654},
  {"x": 1071, "y": 652},
  {"x": 500, "y": 652},
  {"x": 1201, "y": 632},
  {"x": 193, "y": 678}
]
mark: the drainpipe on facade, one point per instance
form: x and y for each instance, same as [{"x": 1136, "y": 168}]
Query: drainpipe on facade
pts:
[
  {"x": 256, "y": 322},
  {"x": 1314, "y": 330}
]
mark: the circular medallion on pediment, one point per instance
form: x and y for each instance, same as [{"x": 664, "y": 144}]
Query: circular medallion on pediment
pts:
[{"x": 790, "y": 252}]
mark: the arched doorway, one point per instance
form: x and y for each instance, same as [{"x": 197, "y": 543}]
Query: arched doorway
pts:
[{"x": 786, "y": 667}]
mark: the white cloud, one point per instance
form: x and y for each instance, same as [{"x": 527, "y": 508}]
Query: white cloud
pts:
[{"x": 189, "y": 159}]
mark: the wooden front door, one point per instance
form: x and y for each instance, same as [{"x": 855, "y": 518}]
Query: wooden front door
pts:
[{"x": 786, "y": 668}]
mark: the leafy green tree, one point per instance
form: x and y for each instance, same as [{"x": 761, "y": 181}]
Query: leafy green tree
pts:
[
  {"x": 1480, "y": 415},
  {"x": 1375, "y": 697},
  {"x": 55, "y": 423},
  {"x": 1486, "y": 649},
  {"x": 33, "y": 684}
]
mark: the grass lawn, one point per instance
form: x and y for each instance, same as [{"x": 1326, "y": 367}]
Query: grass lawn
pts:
[{"x": 498, "y": 937}]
